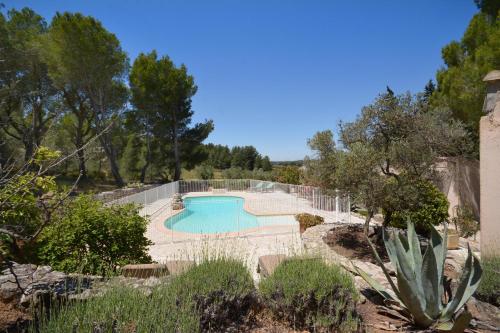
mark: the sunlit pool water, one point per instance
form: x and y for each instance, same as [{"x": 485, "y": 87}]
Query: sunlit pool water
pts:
[{"x": 220, "y": 214}]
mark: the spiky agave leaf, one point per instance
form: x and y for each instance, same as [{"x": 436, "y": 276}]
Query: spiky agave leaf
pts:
[
  {"x": 468, "y": 283},
  {"x": 410, "y": 288},
  {"x": 377, "y": 286},
  {"x": 432, "y": 274},
  {"x": 458, "y": 326},
  {"x": 420, "y": 279}
]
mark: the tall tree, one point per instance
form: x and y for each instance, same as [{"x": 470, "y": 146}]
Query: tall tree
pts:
[
  {"x": 429, "y": 89},
  {"x": 320, "y": 167},
  {"x": 489, "y": 7},
  {"x": 89, "y": 66},
  {"x": 28, "y": 100},
  {"x": 266, "y": 164},
  {"x": 459, "y": 82},
  {"x": 244, "y": 157},
  {"x": 61, "y": 45},
  {"x": 219, "y": 156},
  {"x": 161, "y": 94}
]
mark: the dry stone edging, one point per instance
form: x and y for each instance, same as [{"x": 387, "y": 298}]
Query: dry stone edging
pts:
[{"x": 31, "y": 284}]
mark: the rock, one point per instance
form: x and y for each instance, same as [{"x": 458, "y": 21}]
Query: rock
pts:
[
  {"x": 268, "y": 263},
  {"x": 486, "y": 315},
  {"x": 177, "y": 203},
  {"x": 144, "y": 270},
  {"x": 40, "y": 283}
]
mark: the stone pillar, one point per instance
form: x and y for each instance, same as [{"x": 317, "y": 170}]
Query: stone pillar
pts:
[{"x": 490, "y": 167}]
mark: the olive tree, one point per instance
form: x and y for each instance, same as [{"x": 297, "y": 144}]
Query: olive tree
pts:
[{"x": 392, "y": 146}]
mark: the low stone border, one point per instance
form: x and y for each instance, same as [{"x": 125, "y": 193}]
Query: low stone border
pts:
[{"x": 268, "y": 263}]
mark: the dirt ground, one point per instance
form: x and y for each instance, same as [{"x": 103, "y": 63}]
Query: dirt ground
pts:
[
  {"x": 350, "y": 241},
  {"x": 9, "y": 315}
]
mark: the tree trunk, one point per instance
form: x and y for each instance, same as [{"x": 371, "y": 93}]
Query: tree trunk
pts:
[
  {"x": 368, "y": 218},
  {"x": 29, "y": 149},
  {"x": 177, "y": 173},
  {"x": 177, "y": 158},
  {"x": 148, "y": 159},
  {"x": 110, "y": 154},
  {"x": 387, "y": 217},
  {"x": 80, "y": 153}
]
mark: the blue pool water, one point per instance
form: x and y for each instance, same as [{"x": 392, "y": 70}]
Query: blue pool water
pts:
[{"x": 220, "y": 214}]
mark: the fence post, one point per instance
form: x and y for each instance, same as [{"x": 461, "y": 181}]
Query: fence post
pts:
[
  {"x": 337, "y": 205},
  {"x": 349, "y": 208}
]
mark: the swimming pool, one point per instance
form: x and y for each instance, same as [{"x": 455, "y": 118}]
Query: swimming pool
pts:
[{"x": 220, "y": 214}]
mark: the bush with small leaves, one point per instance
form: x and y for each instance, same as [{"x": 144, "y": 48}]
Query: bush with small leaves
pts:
[
  {"x": 489, "y": 288},
  {"x": 209, "y": 297},
  {"x": 311, "y": 295},
  {"x": 464, "y": 222},
  {"x": 307, "y": 220},
  {"x": 430, "y": 207},
  {"x": 91, "y": 237}
]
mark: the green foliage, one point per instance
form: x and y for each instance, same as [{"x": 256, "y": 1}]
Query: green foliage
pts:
[
  {"x": 94, "y": 93},
  {"x": 308, "y": 220},
  {"x": 207, "y": 297},
  {"x": 320, "y": 168},
  {"x": 219, "y": 156},
  {"x": 266, "y": 164},
  {"x": 489, "y": 288},
  {"x": 93, "y": 238},
  {"x": 238, "y": 173},
  {"x": 244, "y": 157},
  {"x": 23, "y": 75},
  {"x": 420, "y": 201},
  {"x": 161, "y": 94},
  {"x": 489, "y": 7},
  {"x": 387, "y": 152},
  {"x": 204, "y": 171},
  {"x": 464, "y": 221},
  {"x": 132, "y": 159},
  {"x": 288, "y": 174},
  {"x": 460, "y": 86},
  {"x": 420, "y": 280},
  {"x": 311, "y": 295},
  {"x": 20, "y": 210}
]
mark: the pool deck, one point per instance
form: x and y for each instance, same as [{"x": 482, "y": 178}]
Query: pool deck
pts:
[{"x": 247, "y": 245}]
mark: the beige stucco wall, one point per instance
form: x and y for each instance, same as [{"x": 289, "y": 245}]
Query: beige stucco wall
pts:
[
  {"x": 490, "y": 182},
  {"x": 459, "y": 181}
]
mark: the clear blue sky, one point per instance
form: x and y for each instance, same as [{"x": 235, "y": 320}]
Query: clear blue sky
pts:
[{"x": 271, "y": 73}]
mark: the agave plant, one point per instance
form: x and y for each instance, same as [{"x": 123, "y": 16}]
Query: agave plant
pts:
[{"x": 419, "y": 291}]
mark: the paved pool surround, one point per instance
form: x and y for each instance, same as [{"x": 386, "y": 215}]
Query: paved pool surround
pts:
[{"x": 247, "y": 245}]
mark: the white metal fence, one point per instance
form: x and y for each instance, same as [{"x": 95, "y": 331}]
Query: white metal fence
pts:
[
  {"x": 152, "y": 200},
  {"x": 279, "y": 199}
]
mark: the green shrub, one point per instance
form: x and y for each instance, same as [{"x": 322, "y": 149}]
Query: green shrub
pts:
[
  {"x": 429, "y": 206},
  {"x": 219, "y": 291},
  {"x": 93, "y": 238},
  {"x": 489, "y": 288},
  {"x": 464, "y": 222},
  {"x": 204, "y": 171},
  {"x": 311, "y": 295},
  {"x": 207, "y": 297},
  {"x": 308, "y": 220},
  {"x": 289, "y": 174}
]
